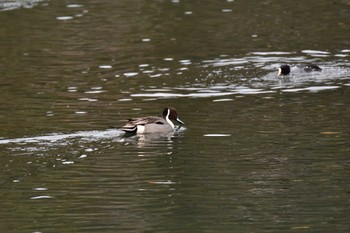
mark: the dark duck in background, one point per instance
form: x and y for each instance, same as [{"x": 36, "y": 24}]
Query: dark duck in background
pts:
[{"x": 284, "y": 70}]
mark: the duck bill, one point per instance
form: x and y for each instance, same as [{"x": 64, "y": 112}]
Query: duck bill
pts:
[{"x": 179, "y": 121}]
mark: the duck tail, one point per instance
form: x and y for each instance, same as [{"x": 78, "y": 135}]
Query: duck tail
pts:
[{"x": 130, "y": 130}]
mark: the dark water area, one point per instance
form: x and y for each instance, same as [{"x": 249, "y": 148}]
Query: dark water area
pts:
[{"x": 258, "y": 153}]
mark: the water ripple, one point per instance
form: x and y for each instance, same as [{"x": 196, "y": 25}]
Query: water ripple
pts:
[
  {"x": 53, "y": 138},
  {"x": 223, "y": 77}
]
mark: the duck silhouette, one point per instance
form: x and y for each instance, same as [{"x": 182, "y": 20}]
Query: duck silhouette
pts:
[
  {"x": 153, "y": 124},
  {"x": 284, "y": 70}
]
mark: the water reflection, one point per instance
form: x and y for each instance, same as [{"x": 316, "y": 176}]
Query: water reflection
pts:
[
  {"x": 154, "y": 140},
  {"x": 260, "y": 153}
]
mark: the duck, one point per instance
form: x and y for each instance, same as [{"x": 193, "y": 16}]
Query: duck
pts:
[
  {"x": 153, "y": 124},
  {"x": 286, "y": 69}
]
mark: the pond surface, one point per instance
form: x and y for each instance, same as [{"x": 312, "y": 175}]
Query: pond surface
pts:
[{"x": 258, "y": 153}]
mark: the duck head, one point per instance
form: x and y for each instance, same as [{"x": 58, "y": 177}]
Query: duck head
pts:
[
  {"x": 283, "y": 70},
  {"x": 171, "y": 114}
]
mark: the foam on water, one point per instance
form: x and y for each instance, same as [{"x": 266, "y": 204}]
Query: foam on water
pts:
[
  {"x": 315, "y": 52},
  {"x": 105, "y": 66},
  {"x": 130, "y": 74},
  {"x": 74, "y": 6},
  {"x": 41, "y": 197},
  {"x": 217, "y": 135},
  {"x": 271, "y": 53},
  {"x": 12, "y": 5},
  {"x": 93, "y": 135},
  {"x": 63, "y": 18},
  {"x": 311, "y": 89}
]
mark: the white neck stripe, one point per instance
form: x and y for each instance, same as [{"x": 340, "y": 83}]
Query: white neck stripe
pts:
[{"x": 168, "y": 120}]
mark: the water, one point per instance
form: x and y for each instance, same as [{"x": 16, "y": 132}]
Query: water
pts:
[{"x": 257, "y": 154}]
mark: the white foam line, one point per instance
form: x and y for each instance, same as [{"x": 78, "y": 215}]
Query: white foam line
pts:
[
  {"x": 40, "y": 197},
  {"x": 216, "y": 135},
  {"x": 312, "y": 89},
  {"x": 171, "y": 95},
  {"x": 309, "y": 51},
  {"x": 271, "y": 53},
  {"x": 204, "y": 94},
  {"x": 111, "y": 133}
]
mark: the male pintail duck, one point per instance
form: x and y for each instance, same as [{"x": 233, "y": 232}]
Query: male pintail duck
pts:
[
  {"x": 153, "y": 124},
  {"x": 285, "y": 69}
]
